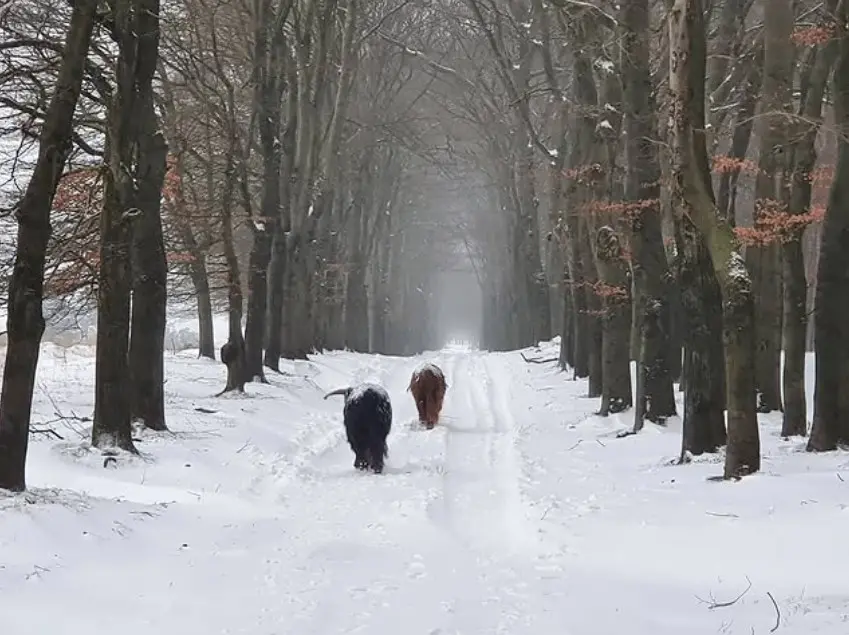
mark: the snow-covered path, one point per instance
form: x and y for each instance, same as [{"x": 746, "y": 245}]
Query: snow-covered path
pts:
[{"x": 520, "y": 513}]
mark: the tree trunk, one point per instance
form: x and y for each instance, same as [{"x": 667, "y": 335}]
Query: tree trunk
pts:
[
  {"x": 655, "y": 395},
  {"x": 566, "y": 357},
  {"x": 764, "y": 260},
  {"x": 112, "y": 406},
  {"x": 692, "y": 188},
  {"x": 380, "y": 306},
  {"x": 743, "y": 124},
  {"x": 268, "y": 77},
  {"x": 704, "y": 376},
  {"x": 233, "y": 351},
  {"x": 279, "y": 256},
  {"x": 356, "y": 295},
  {"x": 815, "y": 74},
  {"x": 25, "y": 320},
  {"x": 830, "y": 427},
  {"x": 297, "y": 343},
  {"x": 149, "y": 268},
  {"x": 616, "y": 394},
  {"x": 203, "y": 297}
]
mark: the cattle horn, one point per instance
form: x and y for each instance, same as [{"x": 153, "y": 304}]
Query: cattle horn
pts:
[{"x": 339, "y": 391}]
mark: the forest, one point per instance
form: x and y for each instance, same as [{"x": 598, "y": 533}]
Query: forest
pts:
[{"x": 655, "y": 181}]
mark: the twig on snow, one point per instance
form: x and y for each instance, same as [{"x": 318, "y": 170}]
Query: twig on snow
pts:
[
  {"x": 47, "y": 432},
  {"x": 713, "y": 604},
  {"x": 840, "y": 478},
  {"x": 574, "y": 446},
  {"x": 538, "y": 360},
  {"x": 777, "y": 613},
  {"x": 718, "y": 515}
]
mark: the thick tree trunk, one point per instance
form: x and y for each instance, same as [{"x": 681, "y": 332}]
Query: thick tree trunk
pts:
[
  {"x": 764, "y": 260},
  {"x": 25, "y": 320},
  {"x": 594, "y": 331},
  {"x": 692, "y": 187},
  {"x": 830, "y": 427},
  {"x": 356, "y": 294},
  {"x": 277, "y": 265},
  {"x": 257, "y": 304},
  {"x": 233, "y": 351},
  {"x": 538, "y": 303},
  {"x": 803, "y": 156},
  {"x": 655, "y": 395},
  {"x": 121, "y": 198},
  {"x": 268, "y": 78},
  {"x": 298, "y": 342},
  {"x": 112, "y": 414},
  {"x": 704, "y": 375},
  {"x": 149, "y": 268},
  {"x": 356, "y": 309},
  {"x": 203, "y": 297},
  {"x": 616, "y": 394},
  {"x": 276, "y": 299},
  {"x": 566, "y": 358},
  {"x": 380, "y": 306}
]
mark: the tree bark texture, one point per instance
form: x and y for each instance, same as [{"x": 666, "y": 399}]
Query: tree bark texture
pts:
[
  {"x": 655, "y": 395},
  {"x": 149, "y": 268},
  {"x": 816, "y": 70},
  {"x": 692, "y": 187},
  {"x": 617, "y": 395},
  {"x": 830, "y": 426},
  {"x": 764, "y": 259},
  {"x": 703, "y": 369},
  {"x": 233, "y": 351},
  {"x": 112, "y": 405}
]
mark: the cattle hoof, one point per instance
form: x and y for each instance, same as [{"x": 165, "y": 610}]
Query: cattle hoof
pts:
[{"x": 429, "y": 426}]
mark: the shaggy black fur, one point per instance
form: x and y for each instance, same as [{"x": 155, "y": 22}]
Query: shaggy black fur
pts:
[{"x": 368, "y": 419}]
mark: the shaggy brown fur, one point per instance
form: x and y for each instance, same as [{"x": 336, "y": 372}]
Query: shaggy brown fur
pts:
[{"x": 428, "y": 387}]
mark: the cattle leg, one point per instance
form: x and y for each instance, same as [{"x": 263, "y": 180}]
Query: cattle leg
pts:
[
  {"x": 361, "y": 461},
  {"x": 376, "y": 452},
  {"x": 429, "y": 423}
]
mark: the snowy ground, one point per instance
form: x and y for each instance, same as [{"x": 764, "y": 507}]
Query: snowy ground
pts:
[{"x": 521, "y": 514}]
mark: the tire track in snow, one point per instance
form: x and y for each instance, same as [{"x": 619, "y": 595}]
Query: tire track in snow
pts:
[{"x": 481, "y": 501}]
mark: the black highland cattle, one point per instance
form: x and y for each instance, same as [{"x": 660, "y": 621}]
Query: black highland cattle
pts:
[{"x": 367, "y": 416}]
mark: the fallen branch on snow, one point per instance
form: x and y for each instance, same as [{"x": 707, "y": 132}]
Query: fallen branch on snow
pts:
[
  {"x": 539, "y": 360},
  {"x": 777, "y": 613},
  {"x": 47, "y": 432},
  {"x": 713, "y": 604},
  {"x": 718, "y": 515}
]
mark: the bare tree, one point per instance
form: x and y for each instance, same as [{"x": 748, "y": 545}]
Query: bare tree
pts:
[
  {"x": 831, "y": 404},
  {"x": 25, "y": 323},
  {"x": 135, "y": 167},
  {"x": 692, "y": 187}
]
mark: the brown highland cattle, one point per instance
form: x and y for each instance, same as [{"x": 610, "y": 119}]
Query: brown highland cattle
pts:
[{"x": 428, "y": 387}]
